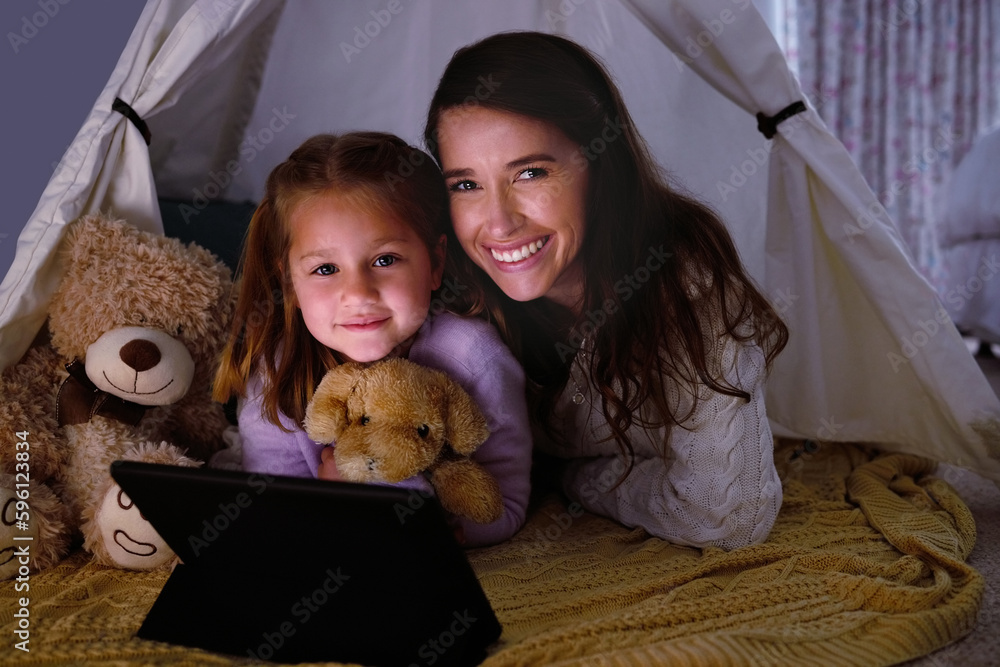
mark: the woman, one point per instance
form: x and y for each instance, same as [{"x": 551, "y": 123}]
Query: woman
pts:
[{"x": 645, "y": 342}]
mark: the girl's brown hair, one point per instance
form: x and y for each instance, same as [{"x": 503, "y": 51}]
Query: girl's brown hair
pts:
[
  {"x": 378, "y": 172},
  {"x": 668, "y": 329}
]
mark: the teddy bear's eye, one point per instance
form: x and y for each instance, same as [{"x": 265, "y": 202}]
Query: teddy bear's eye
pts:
[
  {"x": 7, "y": 516},
  {"x": 423, "y": 430},
  {"x": 365, "y": 419},
  {"x": 123, "y": 500},
  {"x": 179, "y": 330}
]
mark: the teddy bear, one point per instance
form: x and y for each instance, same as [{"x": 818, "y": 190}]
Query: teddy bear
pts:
[
  {"x": 393, "y": 419},
  {"x": 123, "y": 370}
]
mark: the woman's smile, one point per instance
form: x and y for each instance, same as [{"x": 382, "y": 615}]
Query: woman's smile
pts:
[{"x": 515, "y": 255}]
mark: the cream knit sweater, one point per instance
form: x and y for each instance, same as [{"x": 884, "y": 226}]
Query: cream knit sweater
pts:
[{"x": 718, "y": 485}]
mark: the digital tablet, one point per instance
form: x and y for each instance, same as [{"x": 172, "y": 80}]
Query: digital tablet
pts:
[{"x": 292, "y": 570}]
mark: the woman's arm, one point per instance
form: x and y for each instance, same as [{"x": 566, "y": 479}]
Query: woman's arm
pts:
[{"x": 720, "y": 486}]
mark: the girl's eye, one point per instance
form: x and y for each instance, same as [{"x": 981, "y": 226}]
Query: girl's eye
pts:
[
  {"x": 462, "y": 186},
  {"x": 531, "y": 173},
  {"x": 325, "y": 270},
  {"x": 385, "y": 260}
]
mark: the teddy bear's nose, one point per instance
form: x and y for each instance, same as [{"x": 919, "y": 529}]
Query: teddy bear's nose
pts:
[{"x": 140, "y": 354}]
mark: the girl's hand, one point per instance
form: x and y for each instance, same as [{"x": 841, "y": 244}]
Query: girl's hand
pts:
[
  {"x": 327, "y": 466},
  {"x": 457, "y": 530}
]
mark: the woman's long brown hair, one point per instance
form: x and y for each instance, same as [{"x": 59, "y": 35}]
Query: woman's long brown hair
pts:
[
  {"x": 379, "y": 173},
  {"x": 670, "y": 327}
]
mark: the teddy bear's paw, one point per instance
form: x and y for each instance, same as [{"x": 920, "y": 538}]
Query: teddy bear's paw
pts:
[
  {"x": 16, "y": 536},
  {"x": 465, "y": 488},
  {"x": 34, "y": 534},
  {"x": 121, "y": 535}
]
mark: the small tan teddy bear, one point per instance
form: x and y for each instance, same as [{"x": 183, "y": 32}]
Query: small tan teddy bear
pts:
[
  {"x": 135, "y": 328},
  {"x": 393, "y": 419}
]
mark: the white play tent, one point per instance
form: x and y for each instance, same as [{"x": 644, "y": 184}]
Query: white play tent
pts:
[{"x": 229, "y": 87}]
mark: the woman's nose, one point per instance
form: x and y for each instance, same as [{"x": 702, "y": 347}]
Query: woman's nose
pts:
[{"x": 503, "y": 216}]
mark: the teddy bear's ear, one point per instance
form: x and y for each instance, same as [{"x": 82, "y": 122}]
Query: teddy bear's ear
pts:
[
  {"x": 465, "y": 426},
  {"x": 326, "y": 414}
]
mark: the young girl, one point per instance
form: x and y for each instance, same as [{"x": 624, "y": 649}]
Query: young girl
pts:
[{"x": 343, "y": 260}]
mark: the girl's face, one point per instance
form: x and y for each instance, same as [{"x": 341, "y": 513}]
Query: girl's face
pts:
[
  {"x": 517, "y": 188},
  {"x": 362, "y": 281}
]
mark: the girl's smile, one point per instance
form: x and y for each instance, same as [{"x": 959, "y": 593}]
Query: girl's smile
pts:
[{"x": 365, "y": 324}]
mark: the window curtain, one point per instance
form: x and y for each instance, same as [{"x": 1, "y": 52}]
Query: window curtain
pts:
[{"x": 907, "y": 86}]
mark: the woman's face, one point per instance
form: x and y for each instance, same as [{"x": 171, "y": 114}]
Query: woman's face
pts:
[{"x": 517, "y": 189}]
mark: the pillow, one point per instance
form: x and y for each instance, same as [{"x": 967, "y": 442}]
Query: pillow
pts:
[{"x": 972, "y": 205}]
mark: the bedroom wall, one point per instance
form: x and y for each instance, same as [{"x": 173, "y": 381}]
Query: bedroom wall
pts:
[{"x": 55, "y": 58}]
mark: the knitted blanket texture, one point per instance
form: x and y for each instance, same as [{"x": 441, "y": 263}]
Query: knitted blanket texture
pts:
[{"x": 865, "y": 566}]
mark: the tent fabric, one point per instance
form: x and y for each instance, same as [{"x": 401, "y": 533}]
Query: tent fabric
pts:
[
  {"x": 872, "y": 357},
  {"x": 107, "y": 167}
]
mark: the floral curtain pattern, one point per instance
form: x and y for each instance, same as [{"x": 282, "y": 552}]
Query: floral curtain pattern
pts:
[{"x": 907, "y": 86}]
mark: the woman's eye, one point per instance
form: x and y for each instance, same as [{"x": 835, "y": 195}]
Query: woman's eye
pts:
[
  {"x": 462, "y": 186},
  {"x": 325, "y": 270},
  {"x": 385, "y": 260},
  {"x": 530, "y": 173}
]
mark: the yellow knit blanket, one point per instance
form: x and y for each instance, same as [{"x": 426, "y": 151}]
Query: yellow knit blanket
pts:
[{"x": 866, "y": 566}]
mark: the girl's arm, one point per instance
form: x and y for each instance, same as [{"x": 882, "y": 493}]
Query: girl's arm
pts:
[
  {"x": 720, "y": 486},
  {"x": 506, "y": 454},
  {"x": 472, "y": 354},
  {"x": 269, "y": 449}
]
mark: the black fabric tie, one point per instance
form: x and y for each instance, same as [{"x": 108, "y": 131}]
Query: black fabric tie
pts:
[
  {"x": 127, "y": 111},
  {"x": 768, "y": 125}
]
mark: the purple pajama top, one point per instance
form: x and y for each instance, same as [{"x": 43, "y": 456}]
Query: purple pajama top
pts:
[{"x": 469, "y": 351}]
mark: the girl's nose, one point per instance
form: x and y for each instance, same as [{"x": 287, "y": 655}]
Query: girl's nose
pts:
[{"x": 360, "y": 289}]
